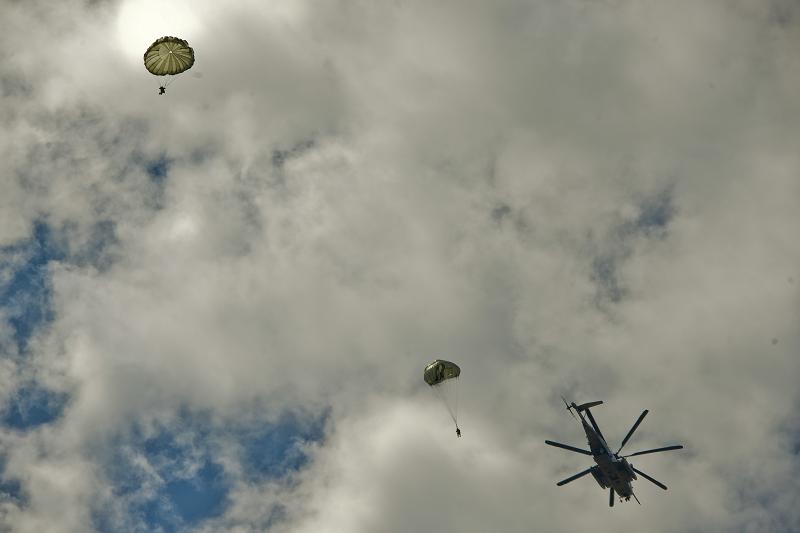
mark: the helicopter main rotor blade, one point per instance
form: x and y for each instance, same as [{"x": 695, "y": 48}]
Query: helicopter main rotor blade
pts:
[
  {"x": 611, "y": 497},
  {"x": 664, "y": 449},
  {"x": 573, "y": 478},
  {"x": 636, "y": 425},
  {"x": 567, "y": 447},
  {"x": 655, "y": 482},
  {"x": 635, "y": 498}
]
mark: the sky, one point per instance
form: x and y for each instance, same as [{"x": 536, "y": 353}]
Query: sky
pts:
[{"x": 216, "y": 304}]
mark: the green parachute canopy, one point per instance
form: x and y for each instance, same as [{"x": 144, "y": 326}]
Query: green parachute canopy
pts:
[
  {"x": 440, "y": 370},
  {"x": 168, "y": 56},
  {"x": 442, "y": 376}
]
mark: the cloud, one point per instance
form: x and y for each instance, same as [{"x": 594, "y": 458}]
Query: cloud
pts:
[{"x": 589, "y": 199}]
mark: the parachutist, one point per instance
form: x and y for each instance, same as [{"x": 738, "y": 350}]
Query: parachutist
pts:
[
  {"x": 442, "y": 376},
  {"x": 168, "y": 56}
]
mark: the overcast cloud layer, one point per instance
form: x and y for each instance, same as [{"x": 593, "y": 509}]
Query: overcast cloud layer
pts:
[{"x": 216, "y": 305}]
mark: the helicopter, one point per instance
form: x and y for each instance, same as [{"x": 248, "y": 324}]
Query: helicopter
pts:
[{"x": 612, "y": 471}]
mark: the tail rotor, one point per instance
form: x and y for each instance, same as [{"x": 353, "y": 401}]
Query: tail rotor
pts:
[{"x": 569, "y": 407}]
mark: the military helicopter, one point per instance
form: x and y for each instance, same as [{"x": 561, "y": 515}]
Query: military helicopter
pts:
[{"x": 612, "y": 471}]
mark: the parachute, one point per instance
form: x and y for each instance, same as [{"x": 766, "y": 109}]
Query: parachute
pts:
[
  {"x": 442, "y": 376},
  {"x": 168, "y": 56}
]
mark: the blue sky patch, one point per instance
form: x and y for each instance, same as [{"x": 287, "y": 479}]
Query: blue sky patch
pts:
[
  {"x": 10, "y": 489},
  {"x": 275, "y": 450},
  {"x": 201, "y": 496},
  {"x": 25, "y": 295},
  {"x": 25, "y": 288},
  {"x": 186, "y": 501},
  {"x": 31, "y": 406},
  {"x": 157, "y": 171},
  {"x": 655, "y": 214},
  {"x": 26, "y": 304},
  {"x": 184, "y": 483},
  {"x": 158, "y": 168}
]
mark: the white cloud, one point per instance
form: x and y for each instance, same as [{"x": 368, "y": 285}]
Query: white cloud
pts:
[{"x": 354, "y": 188}]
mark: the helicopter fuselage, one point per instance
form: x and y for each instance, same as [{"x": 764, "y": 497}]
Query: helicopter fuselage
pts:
[{"x": 611, "y": 471}]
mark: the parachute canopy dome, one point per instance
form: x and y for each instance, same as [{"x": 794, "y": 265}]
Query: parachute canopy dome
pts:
[
  {"x": 439, "y": 371},
  {"x": 168, "y": 56}
]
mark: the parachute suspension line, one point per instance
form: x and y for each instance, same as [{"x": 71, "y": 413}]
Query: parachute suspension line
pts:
[
  {"x": 456, "y": 401},
  {"x": 453, "y": 394},
  {"x": 447, "y": 392},
  {"x": 440, "y": 397}
]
